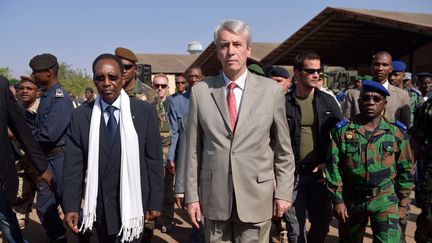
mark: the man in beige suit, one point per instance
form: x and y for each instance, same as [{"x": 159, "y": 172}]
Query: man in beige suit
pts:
[
  {"x": 239, "y": 159},
  {"x": 397, "y": 107}
]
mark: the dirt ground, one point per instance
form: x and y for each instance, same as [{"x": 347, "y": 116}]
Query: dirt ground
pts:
[{"x": 35, "y": 233}]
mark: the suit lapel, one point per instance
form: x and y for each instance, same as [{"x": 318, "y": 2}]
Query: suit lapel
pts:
[
  {"x": 219, "y": 97},
  {"x": 250, "y": 94}
]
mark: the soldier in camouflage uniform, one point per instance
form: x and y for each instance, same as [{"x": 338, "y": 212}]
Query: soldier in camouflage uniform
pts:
[
  {"x": 133, "y": 86},
  {"x": 422, "y": 147},
  {"x": 369, "y": 172}
]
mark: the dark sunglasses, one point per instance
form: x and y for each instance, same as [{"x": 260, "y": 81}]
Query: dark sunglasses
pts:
[
  {"x": 312, "y": 71},
  {"x": 100, "y": 78},
  {"x": 375, "y": 98},
  {"x": 163, "y": 86},
  {"x": 178, "y": 83},
  {"x": 127, "y": 66}
]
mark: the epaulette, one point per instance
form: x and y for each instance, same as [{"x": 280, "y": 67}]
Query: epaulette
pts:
[
  {"x": 59, "y": 93},
  {"x": 342, "y": 123},
  {"x": 400, "y": 125}
]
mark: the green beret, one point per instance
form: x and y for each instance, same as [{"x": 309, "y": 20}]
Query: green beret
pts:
[
  {"x": 255, "y": 68},
  {"x": 43, "y": 62},
  {"x": 13, "y": 81},
  {"x": 125, "y": 54}
]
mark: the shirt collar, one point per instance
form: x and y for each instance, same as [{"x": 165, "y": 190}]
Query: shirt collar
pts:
[
  {"x": 116, "y": 104},
  {"x": 240, "y": 81},
  {"x": 386, "y": 84}
]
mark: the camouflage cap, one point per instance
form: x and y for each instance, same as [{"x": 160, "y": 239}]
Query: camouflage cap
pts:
[
  {"x": 126, "y": 54},
  {"x": 28, "y": 79},
  {"x": 43, "y": 62}
]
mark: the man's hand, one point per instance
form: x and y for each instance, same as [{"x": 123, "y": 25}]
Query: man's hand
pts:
[
  {"x": 341, "y": 212},
  {"x": 320, "y": 169},
  {"x": 171, "y": 167},
  {"x": 71, "y": 220},
  {"x": 194, "y": 211},
  {"x": 280, "y": 207},
  {"x": 179, "y": 201},
  {"x": 402, "y": 212},
  {"x": 48, "y": 177},
  {"x": 150, "y": 215}
]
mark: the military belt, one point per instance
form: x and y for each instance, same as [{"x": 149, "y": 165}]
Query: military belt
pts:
[
  {"x": 56, "y": 151},
  {"x": 368, "y": 192}
]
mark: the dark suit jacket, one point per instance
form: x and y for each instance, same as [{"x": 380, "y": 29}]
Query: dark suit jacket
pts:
[
  {"x": 12, "y": 116},
  {"x": 75, "y": 164}
]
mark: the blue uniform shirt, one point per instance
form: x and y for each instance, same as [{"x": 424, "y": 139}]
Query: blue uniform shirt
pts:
[
  {"x": 178, "y": 108},
  {"x": 53, "y": 117}
]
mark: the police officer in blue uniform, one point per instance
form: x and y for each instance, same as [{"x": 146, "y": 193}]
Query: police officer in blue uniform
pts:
[{"x": 52, "y": 119}]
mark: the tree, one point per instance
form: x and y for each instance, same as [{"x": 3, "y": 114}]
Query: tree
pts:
[
  {"x": 74, "y": 80},
  {"x": 7, "y": 72}
]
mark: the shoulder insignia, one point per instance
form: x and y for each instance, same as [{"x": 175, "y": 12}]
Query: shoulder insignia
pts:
[
  {"x": 400, "y": 125},
  {"x": 59, "y": 93},
  {"x": 342, "y": 123}
]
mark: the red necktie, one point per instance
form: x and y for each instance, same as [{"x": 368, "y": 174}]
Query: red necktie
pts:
[{"x": 232, "y": 108}]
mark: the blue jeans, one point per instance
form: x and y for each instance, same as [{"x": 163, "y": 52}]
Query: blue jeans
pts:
[{"x": 8, "y": 222}]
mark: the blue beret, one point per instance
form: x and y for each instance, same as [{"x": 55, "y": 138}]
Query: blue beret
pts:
[
  {"x": 43, "y": 62},
  {"x": 279, "y": 72},
  {"x": 369, "y": 85},
  {"x": 398, "y": 66}
]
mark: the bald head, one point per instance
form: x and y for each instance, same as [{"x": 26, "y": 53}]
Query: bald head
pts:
[{"x": 381, "y": 66}]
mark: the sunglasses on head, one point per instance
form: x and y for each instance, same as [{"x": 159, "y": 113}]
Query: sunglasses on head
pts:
[
  {"x": 163, "y": 86},
  {"x": 375, "y": 98},
  {"x": 312, "y": 71},
  {"x": 127, "y": 66}
]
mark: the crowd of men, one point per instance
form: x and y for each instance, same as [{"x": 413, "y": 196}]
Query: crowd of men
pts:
[{"x": 245, "y": 151}]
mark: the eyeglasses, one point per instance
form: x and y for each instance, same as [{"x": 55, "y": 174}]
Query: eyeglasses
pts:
[
  {"x": 312, "y": 71},
  {"x": 128, "y": 66},
  {"x": 100, "y": 78},
  {"x": 178, "y": 83},
  {"x": 367, "y": 98},
  {"x": 163, "y": 86}
]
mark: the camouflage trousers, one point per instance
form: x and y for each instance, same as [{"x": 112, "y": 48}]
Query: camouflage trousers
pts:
[{"x": 383, "y": 214}]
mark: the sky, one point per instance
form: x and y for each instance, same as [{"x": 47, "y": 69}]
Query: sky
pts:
[{"x": 77, "y": 31}]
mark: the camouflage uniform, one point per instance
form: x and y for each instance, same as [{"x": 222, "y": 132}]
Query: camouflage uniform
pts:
[
  {"x": 415, "y": 102},
  {"x": 142, "y": 91},
  {"x": 372, "y": 173},
  {"x": 422, "y": 132}
]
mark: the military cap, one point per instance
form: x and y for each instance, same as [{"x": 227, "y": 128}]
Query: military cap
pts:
[
  {"x": 13, "y": 81},
  {"x": 279, "y": 72},
  {"x": 255, "y": 68},
  {"x": 28, "y": 79},
  {"x": 43, "y": 62},
  {"x": 356, "y": 77},
  {"x": 398, "y": 66},
  {"x": 424, "y": 74},
  {"x": 369, "y": 85},
  {"x": 408, "y": 76},
  {"x": 367, "y": 77},
  {"x": 126, "y": 54}
]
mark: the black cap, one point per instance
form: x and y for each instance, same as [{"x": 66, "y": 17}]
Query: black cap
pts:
[
  {"x": 279, "y": 72},
  {"x": 43, "y": 62},
  {"x": 424, "y": 74}
]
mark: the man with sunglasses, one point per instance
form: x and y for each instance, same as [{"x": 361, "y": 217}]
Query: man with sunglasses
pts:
[
  {"x": 52, "y": 119},
  {"x": 133, "y": 86},
  {"x": 369, "y": 171},
  {"x": 311, "y": 114}
]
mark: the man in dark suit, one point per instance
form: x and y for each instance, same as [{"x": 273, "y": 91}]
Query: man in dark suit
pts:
[
  {"x": 12, "y": 116},
  {"x": 120, "y": 189}
]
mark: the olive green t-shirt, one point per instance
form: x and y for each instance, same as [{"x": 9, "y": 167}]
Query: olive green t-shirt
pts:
[{"x": 307, "y": 136}]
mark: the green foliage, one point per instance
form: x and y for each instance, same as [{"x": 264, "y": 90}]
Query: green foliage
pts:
[
  {"x": 74, "y": 80},
  {"x": 7, "y": 72}
]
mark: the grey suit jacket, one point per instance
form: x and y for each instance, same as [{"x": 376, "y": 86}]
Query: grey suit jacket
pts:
[{"x": 223, "y": 166}]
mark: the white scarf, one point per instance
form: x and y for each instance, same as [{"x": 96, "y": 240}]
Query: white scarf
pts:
[{"x": 132, "y": 216}]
